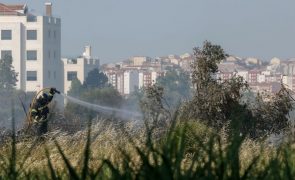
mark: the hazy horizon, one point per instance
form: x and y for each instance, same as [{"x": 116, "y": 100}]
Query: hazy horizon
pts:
[{"x": 118, "y": 30}]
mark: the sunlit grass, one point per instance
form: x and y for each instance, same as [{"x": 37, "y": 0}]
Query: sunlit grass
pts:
[{"x": 128, "y": 151}]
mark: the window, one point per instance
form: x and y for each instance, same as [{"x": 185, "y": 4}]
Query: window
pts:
[
  {"x": 5, "y": 54},
  {"x": 49, "y": 54},
  {"x": 32, "y": 55},
  {"x": 54, "y": 75},
  {"x": 72, "y": 75},
  {"x": 72, "y": 61},
  {"x": 49, "y": 33},
  {"x": 31, "y": 18},
  {"x": 6, "y": 35},
  {"x": 54, "y": 34},
  {"x": 54, "y": 54},
  {"x": 31, "y": 34},
  {"x": 31, "y": 75},
  {"x": 49, "y": 74}
]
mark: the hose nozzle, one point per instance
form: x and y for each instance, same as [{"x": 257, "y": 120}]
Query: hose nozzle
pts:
[{"x": 58, "y": 92}]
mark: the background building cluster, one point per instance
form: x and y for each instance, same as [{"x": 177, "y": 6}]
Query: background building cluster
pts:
[
  {"x": 265, "y": 77},
  {"x": 141, "y": 71},
  {"x": 34, "y": 43}
]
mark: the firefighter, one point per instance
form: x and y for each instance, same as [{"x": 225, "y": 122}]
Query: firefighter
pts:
[{"x": 40, "y": 111}]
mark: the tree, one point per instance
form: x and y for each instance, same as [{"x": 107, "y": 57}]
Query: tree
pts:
[
  {"x": 107, "y": 96},
  {"x": 8, "y": 76},
  {"x": 271, "y": 115},
  {"x": 132, "y": 101},
  {"x": 151, "y": 105},
  {"x": 177, "y": 87},
  {"x": 96, "y": 79},
  {"x": 76, "y": 88},
  {"x": 211, "y": 99},
  {"x": 219, "y": 103}
]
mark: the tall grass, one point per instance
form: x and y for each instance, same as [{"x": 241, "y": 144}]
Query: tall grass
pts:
[{"x": 129, "y": 151}]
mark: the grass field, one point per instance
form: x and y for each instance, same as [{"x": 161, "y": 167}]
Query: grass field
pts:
[{"x": 131, "y": 151}]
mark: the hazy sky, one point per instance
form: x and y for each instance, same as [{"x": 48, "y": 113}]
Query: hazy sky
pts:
[{"x": 118, "y": 29}]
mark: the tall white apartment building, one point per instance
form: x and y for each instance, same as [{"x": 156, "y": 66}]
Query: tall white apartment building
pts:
[
  {"x": 34, "y": 43},
  {"x": 130, "y": 82},
  {"x": 78, "y": 68}
]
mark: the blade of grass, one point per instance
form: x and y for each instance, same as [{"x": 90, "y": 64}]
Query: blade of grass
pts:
[
  {"x": 71, "y": 169},
  {"x": 87, "y": 152},
  {"x": 52, "y": 171}
]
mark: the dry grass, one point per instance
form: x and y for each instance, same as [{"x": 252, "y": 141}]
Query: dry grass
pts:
[{"x": 124, "y": 150}]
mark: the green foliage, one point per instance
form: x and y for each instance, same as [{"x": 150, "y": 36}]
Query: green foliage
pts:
[
  {"x": 205, "y": 65},
  {"x": 177, "y": 87},
  {"x": 272, "y": 115},
  {"x": 76, "y": 88},
  {"x": 8, "y": 77},
  {"x": 96, "y": 79},
  {"x": 94, "y": 90},
  {"x": 107, "y": 96},
  {"x": 221, "y": 103},
  {"x": 151, "y": 105},
  {"x": 213, "y": 101}
]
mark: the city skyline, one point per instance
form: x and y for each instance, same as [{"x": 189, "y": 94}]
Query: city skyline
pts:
[{"x": 119, "y": 30}]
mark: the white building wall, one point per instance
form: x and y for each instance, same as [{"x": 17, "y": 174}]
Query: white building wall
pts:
[
  {"x": 16, "y": 45},
  {"x": 82, "y": 67},
  {"x": 267, "y": 73},
  {"x": 52, "y": 65},
  {"x": 19, "y": 46},
  {"x": 261, "y": 78},
  {"x": 154, "y": 77},
  {"x": 131, "y": 81},
  {"x": 287, "y": 81},
  {"x": 140, "y": 80},
  {"x": 243, "y": 74},
  {"x": 120, "y": 83}
]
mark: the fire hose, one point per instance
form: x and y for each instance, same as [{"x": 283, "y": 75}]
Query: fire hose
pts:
[{"x": 29, "y": 119}]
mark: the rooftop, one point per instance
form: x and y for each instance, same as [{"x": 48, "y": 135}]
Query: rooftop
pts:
[{"x": 13, "y": 10}]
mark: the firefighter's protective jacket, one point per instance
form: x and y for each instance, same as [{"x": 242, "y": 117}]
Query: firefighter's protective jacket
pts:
[{"x": 40, "y": 109}]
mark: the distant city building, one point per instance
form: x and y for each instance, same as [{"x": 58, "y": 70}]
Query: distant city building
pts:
[
  {"x": 273, "y": 78},
  {"x": 78, "y": 68},
  {"x": 147, "y": 79},
  {"x": 244, "y": 74},
  {"x": 253, "y": 76},
  {"x": 265, "y": 87},
  {"x": 120, "y": 82},
  {"x": 34, "y": 43},
  {"x": 275, "y": 61},
  {"x": 260, "y": 77},
  {"x": 140, "y": 60},
  {"x": 252, "y": 61},
  {"x": 186, "y": 63},
  {"x": 131, "y": 80}
]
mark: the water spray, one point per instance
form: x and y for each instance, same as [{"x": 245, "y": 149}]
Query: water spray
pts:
[
  {"x": 105, "y": 109},
  {"x": 120, "y": 113}
]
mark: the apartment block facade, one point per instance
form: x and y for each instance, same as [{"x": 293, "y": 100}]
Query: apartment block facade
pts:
[
  {"x": 34, "y": 43},
  {"x": 78, "y": 68}
]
